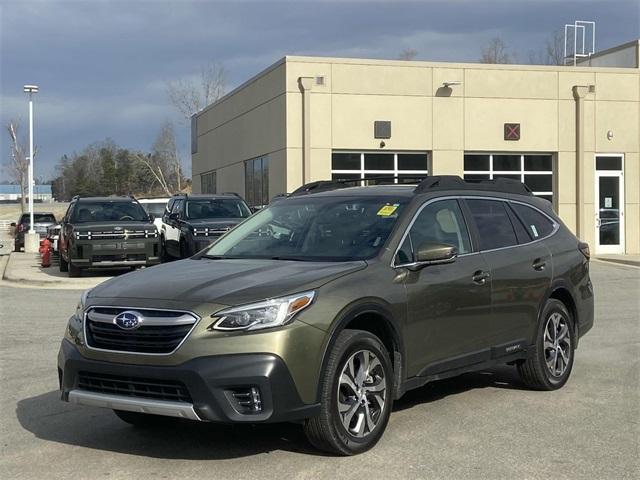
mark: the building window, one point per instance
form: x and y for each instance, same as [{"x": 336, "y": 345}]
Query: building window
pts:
[
  {"x": 208, "y": 182},
  {"x": 406, "y": 167},
  {"x": 535, "y": 171},
  {"x": 256, "y": 181},
  {"x": 194, "y": 133}
]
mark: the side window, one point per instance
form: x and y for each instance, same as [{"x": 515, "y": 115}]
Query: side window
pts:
[
  {"x": 167, "y": 208},
  {"x": 177, "y": 206},
  {"x": 69, "y": 214},
  {"x": 492, "y": 221},
  {"x": 537, "y": 224},
  {"x": 438, "y": 222},
  {"x": 405, "y": 253}
]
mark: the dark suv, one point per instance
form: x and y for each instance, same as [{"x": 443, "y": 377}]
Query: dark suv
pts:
[
  {"x": 107, "y": 232},
  {"x": 331, "y": 303},
  {"x": 192, "y": 222},
  {"x": 41, "y": 222}
]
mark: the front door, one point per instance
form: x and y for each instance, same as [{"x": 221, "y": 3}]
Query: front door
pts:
[{"x": 609, "y": 204}]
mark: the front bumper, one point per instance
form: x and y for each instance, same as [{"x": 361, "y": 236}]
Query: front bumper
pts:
[
  {"x": 210, "y": 382},
  {"x": 115, "y": 253}
]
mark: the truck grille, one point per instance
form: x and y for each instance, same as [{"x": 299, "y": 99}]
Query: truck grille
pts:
[
  {"x": 116, "y": 235},
  {"x": 159, "y": 331},
  {"x": 134, "y": 387}
]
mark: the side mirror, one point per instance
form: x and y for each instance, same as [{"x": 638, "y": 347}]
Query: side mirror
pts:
[
  {"x": 174, "y": 216},
  {"x": 151, "y": 217},
  {"x": 434, "y": 254}
]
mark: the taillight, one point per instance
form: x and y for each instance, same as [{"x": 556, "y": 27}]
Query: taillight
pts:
[{"x": 584, "y": 249}]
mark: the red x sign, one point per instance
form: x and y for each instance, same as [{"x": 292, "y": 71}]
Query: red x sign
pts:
[{"x": 512, "y": 131}]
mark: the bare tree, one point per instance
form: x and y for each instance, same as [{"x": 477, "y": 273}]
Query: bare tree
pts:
[
  {"x": 164, "y": 162},
  {"x": 189, "y": 96},
  {"x": 496, "y": 51},
  {"x": 408, "y": 54},
  {"x": 19, "y": 164},
  {"x": 553, "y": 51}
]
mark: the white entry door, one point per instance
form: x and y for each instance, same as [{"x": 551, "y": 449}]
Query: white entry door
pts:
[{"x": 609, "y": 204}]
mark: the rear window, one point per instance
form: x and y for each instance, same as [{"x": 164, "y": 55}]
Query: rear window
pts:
[
  {"x": 493, "y": 224},
  {"x": 537, "y": 224},
  {"x": 38, "y": 218}
]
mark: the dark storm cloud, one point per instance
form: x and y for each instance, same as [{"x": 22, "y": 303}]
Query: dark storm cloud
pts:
[{"x": 102, "y": 65}]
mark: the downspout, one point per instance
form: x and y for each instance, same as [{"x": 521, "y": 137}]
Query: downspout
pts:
[
  {"x": 579, "y": 93},
  {"x": 305, "y": 84}
]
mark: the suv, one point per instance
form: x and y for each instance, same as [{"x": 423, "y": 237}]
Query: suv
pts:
[
  {"x": 192, "y": 222},
  {"x": 41, "y": 222},
  {"x": 331, "y": 303},
  {"x": 107, "y": 232}
]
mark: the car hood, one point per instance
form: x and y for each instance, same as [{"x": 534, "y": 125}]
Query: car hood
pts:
[
  {"x": 215, "y": 222},
  {"x": 112, "y": 226},
  {"x": 224, "y": 282}
]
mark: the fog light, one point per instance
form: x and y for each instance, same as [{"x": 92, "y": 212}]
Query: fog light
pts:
[{"x": 247, "y": 401}]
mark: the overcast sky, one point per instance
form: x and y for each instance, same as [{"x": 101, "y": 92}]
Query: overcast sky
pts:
[{"x": 102, "y": 66}]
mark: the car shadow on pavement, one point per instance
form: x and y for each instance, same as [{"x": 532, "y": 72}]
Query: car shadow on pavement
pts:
[
  {"x": 48, "y": 418},
  {"x": 503, "y": 377}
]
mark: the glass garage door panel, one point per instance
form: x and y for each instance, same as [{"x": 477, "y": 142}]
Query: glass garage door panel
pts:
[
  {"x": 609, "y": 210},
  {"x": 406, "y": 167}
]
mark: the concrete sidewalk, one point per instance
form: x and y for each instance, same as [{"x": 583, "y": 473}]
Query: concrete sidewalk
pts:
[
  {"x": 632, "y": 260},
  {"x": 24, "y": 269}
]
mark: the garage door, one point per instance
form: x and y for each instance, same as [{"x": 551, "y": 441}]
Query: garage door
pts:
[{"x": 406, "y": 166}]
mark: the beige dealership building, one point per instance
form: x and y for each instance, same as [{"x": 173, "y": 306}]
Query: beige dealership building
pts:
[{"x": 572, "y": 134}]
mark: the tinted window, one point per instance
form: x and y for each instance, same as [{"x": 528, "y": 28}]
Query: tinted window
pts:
[
  {"x": 493, "y": 224},
  {"x": 38, "y": 218},
  {"x": 441, "y": 222},
  {"x": 109, "y": 212},
  {"x": 537, "y": 224},
  {"x": 216, "y": 208}
]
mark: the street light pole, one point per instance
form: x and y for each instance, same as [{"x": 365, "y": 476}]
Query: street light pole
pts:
[{"x": 31, "y": 239}]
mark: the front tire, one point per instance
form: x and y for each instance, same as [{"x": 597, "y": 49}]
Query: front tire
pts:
[
  {"x": 356, "y": 395},
  {"x": 74, "y": 271},
  {"x": 64, "y": 265},
  {"x": 549, "y": 366}
]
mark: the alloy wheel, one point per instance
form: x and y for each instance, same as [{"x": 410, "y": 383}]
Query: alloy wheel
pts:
[
  {"x": 557, "y": 344},
  {"x": 362, "y": 390}
]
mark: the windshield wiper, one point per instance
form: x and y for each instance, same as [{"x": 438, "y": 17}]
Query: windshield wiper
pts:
[{"x": 292, "y": 259}]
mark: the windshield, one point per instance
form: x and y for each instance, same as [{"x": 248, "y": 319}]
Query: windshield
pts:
[
  {"x": 217, "y": 208},
  {"x": 313, "y": 229},
  {"x": 38, "y": 218},
  {"x": 155, "y": 208},
  {"x": 108, "y": 212}
]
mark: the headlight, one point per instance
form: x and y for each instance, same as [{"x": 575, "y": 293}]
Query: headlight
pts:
[
  {"x": 83, "y": 300},
  {"x": 267, "y": 314}
]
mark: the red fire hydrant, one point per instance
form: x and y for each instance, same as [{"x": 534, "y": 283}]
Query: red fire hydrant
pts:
[{"x": 45, "y": 252}]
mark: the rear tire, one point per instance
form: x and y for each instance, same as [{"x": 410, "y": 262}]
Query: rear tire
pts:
[
  {"x": 356, "y": 395},
  {"x": 74, "y": 271},
  {"x": 550, "y": 363},
  {"x": 141, "y": 419}
]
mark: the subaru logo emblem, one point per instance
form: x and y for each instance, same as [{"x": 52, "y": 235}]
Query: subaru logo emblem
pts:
[{"x": 128, "y": 320}]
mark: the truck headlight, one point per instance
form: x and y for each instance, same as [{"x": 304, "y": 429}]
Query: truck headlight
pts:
[{"x": 266, "y": 314}]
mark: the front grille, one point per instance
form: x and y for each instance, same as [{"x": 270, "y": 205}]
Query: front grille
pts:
[
  {"x": 160, "y": 331},
  {"x": 134, "y": 387},
  {"x": 116, "y": 235}
]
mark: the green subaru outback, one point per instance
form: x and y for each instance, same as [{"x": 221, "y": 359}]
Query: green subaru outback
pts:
[
  {"x": 331, "y": 303},
  {"x": 107, "y": 232}
]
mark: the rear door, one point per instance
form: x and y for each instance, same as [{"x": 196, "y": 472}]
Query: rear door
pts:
[
  {"x": 449, "y": 305},
  {"x": 520, "y": 268}
]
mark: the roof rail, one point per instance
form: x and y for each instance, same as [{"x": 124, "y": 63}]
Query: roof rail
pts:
[
  {"x": 328, "y": 185},
  {"x": 235, "y": 194},
  {"x": 454, "y": 182}
]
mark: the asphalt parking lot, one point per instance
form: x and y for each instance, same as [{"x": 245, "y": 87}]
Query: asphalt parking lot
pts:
[{"x": 478, "y": 426}]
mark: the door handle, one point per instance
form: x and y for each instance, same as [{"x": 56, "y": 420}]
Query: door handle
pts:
[
  {"x": 480, "y": 277},
  {"x": 539, "y": 264}
]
